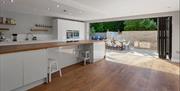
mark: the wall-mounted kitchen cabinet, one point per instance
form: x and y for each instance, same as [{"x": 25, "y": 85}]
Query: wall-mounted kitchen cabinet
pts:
[{"x": 62, "y": 26}]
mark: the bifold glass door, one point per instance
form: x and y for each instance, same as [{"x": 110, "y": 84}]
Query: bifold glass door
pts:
[{"x": 165, "y": 37}]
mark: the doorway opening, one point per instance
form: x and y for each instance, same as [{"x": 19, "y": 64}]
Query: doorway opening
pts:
[{"x": 140, "y": 37}]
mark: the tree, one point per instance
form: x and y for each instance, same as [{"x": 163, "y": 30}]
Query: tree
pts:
[
  {"x": 98, "y": 27},
  {"x": 140, "y": 24},
  {"x": 92, "y": 31},
  {"x": 132, "y": 24},
  {"x": 128, "y": 25},
  {"x": 114, "y": 26},
  {"x": 111, "y": 26}
]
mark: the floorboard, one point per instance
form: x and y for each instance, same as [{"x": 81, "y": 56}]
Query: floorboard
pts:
[{"x": 106, "y": 75}]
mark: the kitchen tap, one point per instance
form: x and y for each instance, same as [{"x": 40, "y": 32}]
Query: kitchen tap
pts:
[{"x": 30, "y": 34}]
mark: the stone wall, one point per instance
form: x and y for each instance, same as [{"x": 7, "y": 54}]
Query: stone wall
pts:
[{"x": 141, "y": 37}]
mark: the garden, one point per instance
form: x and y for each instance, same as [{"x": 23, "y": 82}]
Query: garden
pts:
[{"x": 141, "y": 33}]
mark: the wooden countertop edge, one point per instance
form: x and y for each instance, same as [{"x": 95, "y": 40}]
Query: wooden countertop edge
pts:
[{"x": 38, "y": 46}]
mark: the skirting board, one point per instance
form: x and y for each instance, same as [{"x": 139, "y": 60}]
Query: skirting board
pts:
[{"x": 32, "y": 85}]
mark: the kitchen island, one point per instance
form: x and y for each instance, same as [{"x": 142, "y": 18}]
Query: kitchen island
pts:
[
  {"x": 35, "y": 46},
  {"x": 24, "y": 65}
]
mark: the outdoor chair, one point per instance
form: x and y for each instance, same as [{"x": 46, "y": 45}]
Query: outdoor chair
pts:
[
  {"x": 118, "y": 44},
  {"x": 127, "y": 45},
  {"x": 109, "y": 44}
]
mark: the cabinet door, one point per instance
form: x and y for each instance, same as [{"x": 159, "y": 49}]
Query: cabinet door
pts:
[
  {"x": 64, "y": 25},
  {"x": 35, "y": 66},
  {"x": 12, "y": 71}
]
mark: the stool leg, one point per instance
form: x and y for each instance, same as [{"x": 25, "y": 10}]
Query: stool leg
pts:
[
  {"x": 49, "y": 75},
  {"x": 60, "y": 73},
  {"x": 84, "y": 61},
  {"x": 91, "y": 61},
  {"x": 46, "y": 79}
]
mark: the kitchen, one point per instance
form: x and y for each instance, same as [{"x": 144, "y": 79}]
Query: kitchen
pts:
[
  {"x": 51, "y": 45},
  {"x": 31, "y": 40}
]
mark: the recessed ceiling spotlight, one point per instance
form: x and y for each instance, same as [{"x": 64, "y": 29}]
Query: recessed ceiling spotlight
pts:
[
  {"x": 48, "y": 9},
  {"x": 4, "y": 2},
  {"x": 12, "y": 1},
  {"x": 58, "y": 5},
  {"x": 64, "y": 10}
]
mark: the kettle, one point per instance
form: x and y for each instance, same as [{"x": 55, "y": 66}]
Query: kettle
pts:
[{"x": 14, "y": 37}]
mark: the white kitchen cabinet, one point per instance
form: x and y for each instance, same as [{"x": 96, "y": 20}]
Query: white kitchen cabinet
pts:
[
  {"x": 98, "y": 50},
  {"x": 64, "y": 55},
  {"x": 62, "y": 25},
  {"x": 11, "y": 71},
  {"x": 35, "y": 66},
  {"x": 22, "y": 68},
  {"x": 67, "y": 56}
]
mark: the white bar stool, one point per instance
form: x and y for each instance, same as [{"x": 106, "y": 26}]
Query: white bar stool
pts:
[
  {"x": 52, "y": 68},
  {"x": 86, "y": 57},
  {"x": 53, "y": 65},
  {"x": 82, "y": 55}
]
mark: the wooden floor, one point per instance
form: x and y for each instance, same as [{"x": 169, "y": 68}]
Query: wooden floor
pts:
[{"x": 150, "y": 75}]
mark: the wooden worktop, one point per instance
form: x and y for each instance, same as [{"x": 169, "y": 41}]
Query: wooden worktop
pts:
[{"x": 36, "y": 46}]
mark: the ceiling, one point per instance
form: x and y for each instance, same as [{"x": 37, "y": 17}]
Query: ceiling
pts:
[{"x": 89, "y": 9}]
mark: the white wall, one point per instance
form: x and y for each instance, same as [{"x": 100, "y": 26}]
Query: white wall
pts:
[
  {"x": 24, "y": 24},
  {"x": 175, "y": 29},
  {"x": 141, "y": 36},
  {"x": 87, "y": 32},
  {"x": 63, "y": 25},
  {"x": 175, "y": 37}
]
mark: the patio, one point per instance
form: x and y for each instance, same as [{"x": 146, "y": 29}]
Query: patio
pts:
[{"x": 134, "y": 54}]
